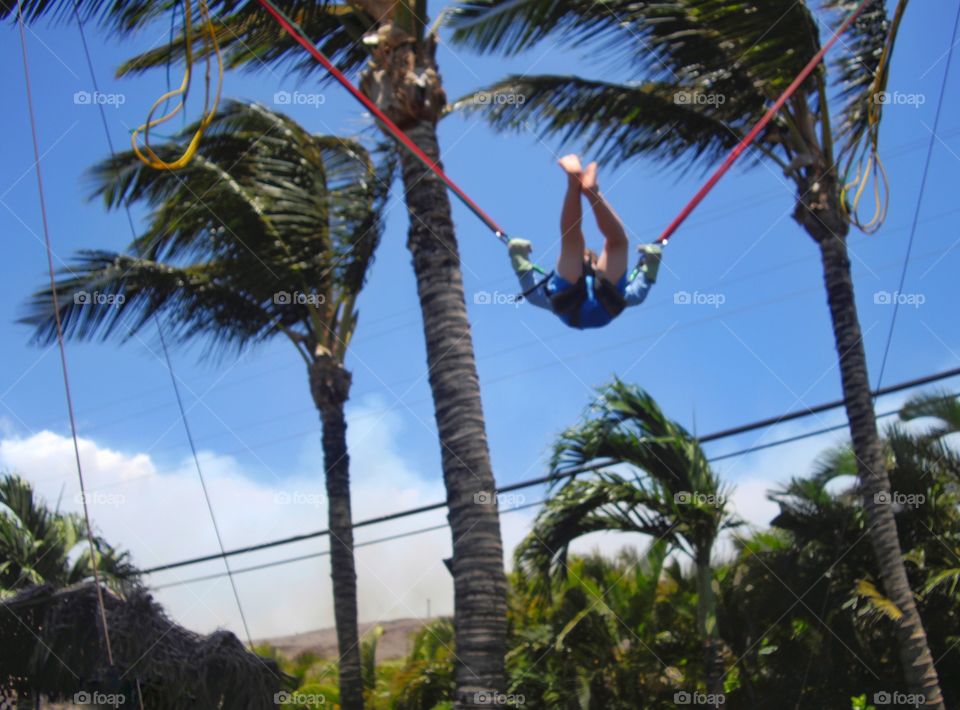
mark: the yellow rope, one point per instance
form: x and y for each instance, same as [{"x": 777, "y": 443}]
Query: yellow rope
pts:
[
  {"x": 147, "y": 155},
  {"x": 869, "y": 167}
]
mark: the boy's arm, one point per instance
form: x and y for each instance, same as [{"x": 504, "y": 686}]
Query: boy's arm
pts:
[
  {"x": 637, "y": 289},
  {"x": 536, "y": 295},
  {"x": 644, "y": 276}
]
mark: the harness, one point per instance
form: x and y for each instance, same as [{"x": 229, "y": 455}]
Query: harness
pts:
[{"x": 567, "y": 303}]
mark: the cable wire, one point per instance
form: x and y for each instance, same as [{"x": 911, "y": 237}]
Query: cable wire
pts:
[
  {"x": 322, "y": 553},
  {"x": 916, "y": 211},
  {"x": 94, "y": 562},
  {"x": 443, "y": 526},
  {"x": 163, "y": 340},
  {"x": 527, "y": 483}
]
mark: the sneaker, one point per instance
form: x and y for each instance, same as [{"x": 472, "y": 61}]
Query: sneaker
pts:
[{"x": 652, "y": 254}]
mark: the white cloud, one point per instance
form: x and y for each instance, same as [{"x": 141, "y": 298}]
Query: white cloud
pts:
[{"x": 160, "y": 516}]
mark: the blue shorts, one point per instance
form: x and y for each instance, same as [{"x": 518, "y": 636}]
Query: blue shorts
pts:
[{"x": 592, "y": 313}]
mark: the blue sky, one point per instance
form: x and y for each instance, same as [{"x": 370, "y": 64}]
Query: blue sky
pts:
[{"x": 767, "y": 348}]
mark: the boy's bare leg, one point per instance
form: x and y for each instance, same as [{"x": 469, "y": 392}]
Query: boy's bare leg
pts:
[
  {"x": 616, "y": 247},
  {"x": 570, "y": 263}
]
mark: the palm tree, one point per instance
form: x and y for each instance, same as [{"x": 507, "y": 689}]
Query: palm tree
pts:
[
  {"x": 672, "y": 494},
  {"x": 268, "y": 232},
  {"x": 708, "y": 68},
  {"x": 388, "y": 45},
  {"x": 842, "y": 614},
  {"x": 43, "y": 546}
]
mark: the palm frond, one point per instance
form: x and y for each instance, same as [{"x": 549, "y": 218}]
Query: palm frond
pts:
[
  {"x": 857, "y": 61},
  {"x": 43, "y": 546},
  {"x": 246, "y": 33},
  {"x": 250, "y": 38},
  {"x": 268, "y": 229},
  {"x": 617, "y": 122},
  {"x": 946, "y": 580},
  {"x": 605, "y": 502},
  {"x": 877, "y": 602},
  {"x": 626, "y": 425},
  {"x": 118, "y": 16},
  {"x": 740, "y": 49},
  {"x": 943, "y": 406},
  {"x": 727, "y": 57},
  {"x": 810, "y": 511},
  {"x": 107, "y": 294}
]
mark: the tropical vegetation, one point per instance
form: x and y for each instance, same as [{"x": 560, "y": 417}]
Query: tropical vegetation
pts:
[{"x": 848, "y": 599}]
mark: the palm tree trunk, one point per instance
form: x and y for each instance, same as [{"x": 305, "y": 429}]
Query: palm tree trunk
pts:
[
  {"x": 403, "y": 80},
  {"x": 707, "y": 627},
  {"x": 330, "y": 386},
  {"x": 824, "y": 221},
  {"x": 478, "y": 573}
]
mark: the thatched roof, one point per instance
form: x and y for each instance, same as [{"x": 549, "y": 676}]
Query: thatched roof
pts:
[{"x": 52, "y": 645}]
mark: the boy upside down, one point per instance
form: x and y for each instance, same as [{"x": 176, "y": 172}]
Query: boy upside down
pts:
[{"x": 586, "y": 290}]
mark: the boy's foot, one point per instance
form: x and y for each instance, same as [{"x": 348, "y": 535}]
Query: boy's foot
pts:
[
  {"x": 571, "y": 166},
  {"x": 519, "y": 246},
  {"x": 519, "y": 250},
  {"x": 652, "y": 253},
  {"x": 589, "y": 179}
]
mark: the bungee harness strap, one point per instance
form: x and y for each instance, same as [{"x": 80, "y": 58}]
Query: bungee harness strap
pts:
[{"x": 295, "y": 31}]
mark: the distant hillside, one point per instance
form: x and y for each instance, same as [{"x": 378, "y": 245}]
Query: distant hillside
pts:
[{"x": 395, "y": 642}]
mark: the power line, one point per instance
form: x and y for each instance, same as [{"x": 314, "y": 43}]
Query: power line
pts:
[
  {"x": 923, "y": 187},
  {"x": 807, "y": 435},
  {"x": 322, "y": 553},
  {"x": 726, "y": 433},
  {"x": 48, "y": 247},
  {"x": 443, "y": 526},
  {"x": 835, "y": 404}
]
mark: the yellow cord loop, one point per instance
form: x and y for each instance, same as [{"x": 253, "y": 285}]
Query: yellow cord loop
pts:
[
  {"x": 866, "y": 160},
  {"x": 147, "y": 155}
]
